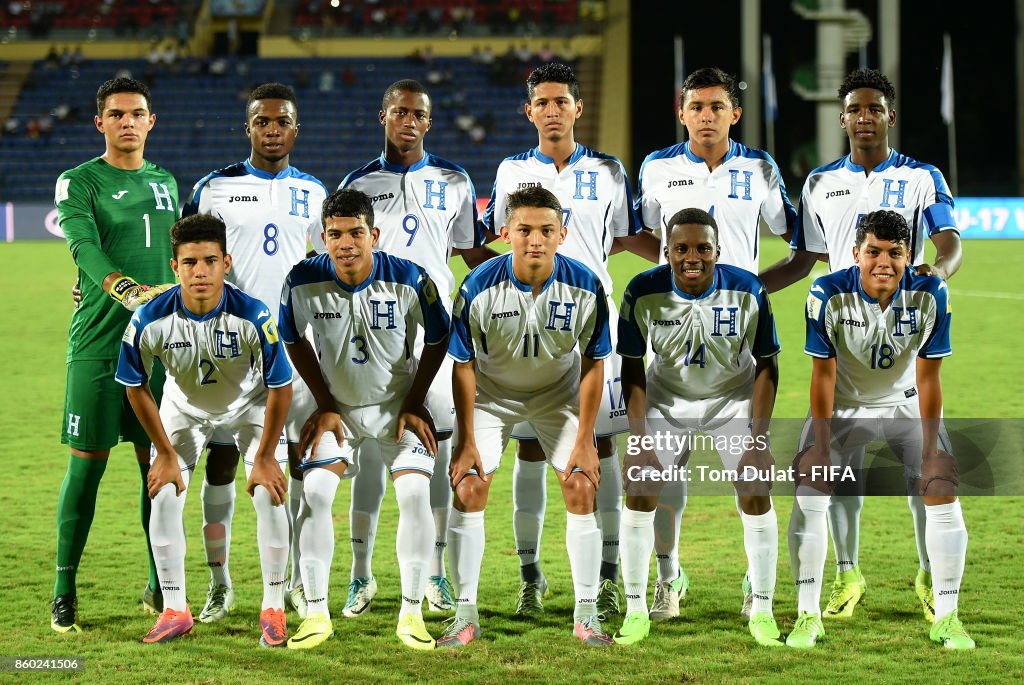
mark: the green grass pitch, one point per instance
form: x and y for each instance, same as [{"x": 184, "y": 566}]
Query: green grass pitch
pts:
[{"x": 886, "y": 642}]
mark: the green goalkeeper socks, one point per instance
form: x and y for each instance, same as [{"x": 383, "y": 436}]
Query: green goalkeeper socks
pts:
[
  {"x": 146, "y": 505},
  {"x": 76, "y": 506}
]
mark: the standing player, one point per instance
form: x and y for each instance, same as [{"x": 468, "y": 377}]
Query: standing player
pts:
[
  {"x": 425, "y": 207},
  {"x": 115, "y": 211},
  {"x": 226, "y": 371},
  {"x": 529, "y": 336},
  {"x": 873, "y": 176},
  {"x": 271, "y": 210},
  {"x": 597, "y": 213},
  {"x": 737, "y": 185},
  {"x": 364, "y": 307},
  {"x": 713, "y": 371},
  {"x": 878, "y": 333}
]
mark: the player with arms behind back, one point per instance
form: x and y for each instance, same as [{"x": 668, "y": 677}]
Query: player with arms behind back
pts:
[
  {"x": 713, "y": 371},
  {"x": 529, "y": 336},
  {"x": 271, "y": 210},
  {"x": 115, "y": 211},
  {"x": 227, "y": 371},
  {"x": 834, "y": 198},
  {"x": 878, "y": 333},
  {"x": 425, "y": 207},
  {"x": 364, "y": 307}
]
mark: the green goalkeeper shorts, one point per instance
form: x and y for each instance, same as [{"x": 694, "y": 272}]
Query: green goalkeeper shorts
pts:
[{"x": 97, "y": 414}]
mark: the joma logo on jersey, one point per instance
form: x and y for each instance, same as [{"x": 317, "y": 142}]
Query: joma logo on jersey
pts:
[
  {"x": 243, "y": 198},
  {"x": 326, "y": 315},
  {"x": 503, "y": 315},
  {"x": 852, "y": 322},
  {"x": 382, "y": 196},
  {"x": 666, "y": 322},
  {"x": 836, "y": 193},
  {"x": 527, "y": 185},
  {"x": 177, "y": 345},
  {"x": 680, "y": 182}
]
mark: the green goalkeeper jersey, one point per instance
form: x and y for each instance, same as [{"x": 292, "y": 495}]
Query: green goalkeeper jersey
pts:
[{"x": 113, "y": 220}]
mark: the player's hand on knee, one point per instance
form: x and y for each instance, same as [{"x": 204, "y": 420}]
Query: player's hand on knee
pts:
[
  {"x": 584, "y": 457},
  {"x": 267, "y": 473},
  {"x": 813, "y": 468},
  {"x": 465, "y": 459},
  {"x": 635, "y": 463},
  {"x": 940, "y": 476},
  {"x": 754, "y": 472},
  {"x": 320, "y": 422},
  {"x": 419, "y": 420},
  {"x": 163, "y": 471}
]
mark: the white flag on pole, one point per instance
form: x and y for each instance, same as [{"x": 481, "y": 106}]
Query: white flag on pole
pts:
[
  {"x": 771, "y": 101},
  {"x": 947, "y": 80}
]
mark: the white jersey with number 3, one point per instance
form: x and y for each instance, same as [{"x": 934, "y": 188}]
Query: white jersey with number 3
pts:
[{"x": 269, "y": 218}]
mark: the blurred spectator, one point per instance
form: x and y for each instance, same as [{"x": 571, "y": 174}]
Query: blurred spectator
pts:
[
  {"x": 348, "y": 77},
  {"x": 301, "y": 77},
  {"x": 546, "y": 54},
  {"x": 52, "y": 58},
  {"x": 326, "y": 81}
]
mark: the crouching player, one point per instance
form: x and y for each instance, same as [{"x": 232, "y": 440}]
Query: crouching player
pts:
[
  {"x": 226, "y": 371},
  {"x": 878, "y": 333},
  {"x": 529, "y": 333},
  {"x": 364, "y": 308},
  {"x": 714, "y": 371}
]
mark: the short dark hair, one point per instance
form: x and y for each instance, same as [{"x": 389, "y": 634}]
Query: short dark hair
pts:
[
  {"x": 122, "y": 85},
  {"x": 692, "y": 215},
  {"x": 531, "y": 197},
  {"x": 553, "y": 72},
  {"x": 198, "y": 228},
  {"x": 709, "y": 77},
  {"x": 272, "y": 91},
  {"x": 347, "y": 202},
  {"x": 868, "y": 78},
  {"x": 406, "y": 85},
  {"x": 884, "y": 224}
]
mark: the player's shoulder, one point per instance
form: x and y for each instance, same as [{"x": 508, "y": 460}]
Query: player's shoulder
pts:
[
  {"x": 433, "y": 160},
  {"x": 933, "y": 285},
  {"x": 239, "y": 303},
  {"x": 310, "y": 179},
  {"x": 666, "y": 153},
  {"x": 374, "y": 165},
  {"x": 590, "y": 153},
  {"x": 653, "y": 281},
  {"x": 491, "y": 273},
  {"x": 737, "y": 279},
  {"x": 154, "y": 169},
  {"x": 741, "y": 152},
  {"x": 836, "y": 283},
  {"x": 898, "y": 160},
  {"x": 518, "y": 159},
  {"x": 160, "y": 307},
  {"x": 231, "y": 171},
  {"x": 834, "y": 166},
  {"x": 316, "y": 269},
  {"x": 84, "y": 169},
  {"x": 392, "y": 269},
  {"x": 576, "y": 274}
]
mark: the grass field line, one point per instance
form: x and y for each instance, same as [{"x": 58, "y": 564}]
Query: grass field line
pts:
[{"x": 994, "y": 294}]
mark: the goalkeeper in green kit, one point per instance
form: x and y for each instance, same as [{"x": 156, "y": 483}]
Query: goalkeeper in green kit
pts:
[{"x": 115, "y": 211}]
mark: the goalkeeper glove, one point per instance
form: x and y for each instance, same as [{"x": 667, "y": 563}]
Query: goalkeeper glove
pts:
[{"x": 133, "y": 295}]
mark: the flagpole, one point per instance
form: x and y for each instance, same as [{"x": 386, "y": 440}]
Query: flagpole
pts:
[
  {"x": 948, "y": 111},
  {"x": 680, "y": 74},
  {"x": 770, "y": 95}
]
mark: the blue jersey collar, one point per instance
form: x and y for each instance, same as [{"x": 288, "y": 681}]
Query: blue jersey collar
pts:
[
  {"x": 361, "y": 286},
  {"x": 693, "y": 298},
  {"x": 208, "y": 315},
  {"x": 734, "y": 149},
  {"x": 573, "y": 158},
  {"x": 870, "y": 300},
  {"x": 260, "y": 173},
  {"x": 399, "y": 169},
  {"x": 857, "y": 168},
  {"x": 526, "y": 287}
]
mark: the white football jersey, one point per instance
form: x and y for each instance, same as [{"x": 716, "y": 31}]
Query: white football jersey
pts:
[
  {"x": 835, "y": 196},
  {"x": 704, "y": 347},
  {"x": 269, "y": 219},
  {"x": 596, "y": 199},
  {"x": 524, "y": 346},
  {"x": 423, "y": 211},
  {"x": 745, "y": 186},
  {"x": 876, "y": 351},
  {"x": 217, "y": 364},
  {"x": 363, "y": 334}
]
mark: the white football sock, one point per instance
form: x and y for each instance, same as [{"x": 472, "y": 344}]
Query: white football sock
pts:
[
  {"x": 529, "y": 500},
  {"x": 413, "y": 547},
  {"x": 947, "y": 549},
  {"x": 317, "y": 537},
  {"x": 808, "y": 545},
  {"x": 440, "y": 506},
  {"x": 583, "y": 543},
  {"x": 636, "y": 540},
  {"x": 918, "y": 511},
  {"x": 844, "y": 527},
  {"x": 167, "y": 537},
  {"x": 667, "y": 519},
  {"x": 295, "y": 517},
  {"x": 367, "y": 495},
  {"x": 609, "y": 511},
  {"x": 272, "y": 540},
  {"x": 218, "y": 508},
  {"x": 761, "y": 542},
  {"x": 466, "y": 554}
]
